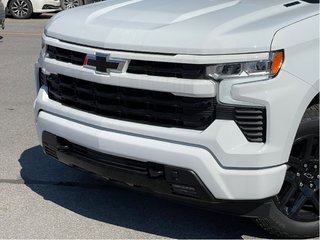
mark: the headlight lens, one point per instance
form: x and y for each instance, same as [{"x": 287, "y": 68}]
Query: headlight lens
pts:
[{"x": 269, "y": 67}]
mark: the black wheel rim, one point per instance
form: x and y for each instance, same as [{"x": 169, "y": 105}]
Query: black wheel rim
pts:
[{"x": 299, "y": 196}]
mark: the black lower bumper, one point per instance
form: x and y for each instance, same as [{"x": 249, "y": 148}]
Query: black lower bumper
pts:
[{"x": 168, "y": 181}]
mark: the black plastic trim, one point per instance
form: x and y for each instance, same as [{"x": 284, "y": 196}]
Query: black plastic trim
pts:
[
  {"x": 166, "y": 181},
  {"x": 311, "y": 1},
  {"x": 156, "y": 177},
  {"x": 292, "y": 4},
  {"x": 252, "y": 121},
  {"x": 48, "y": 6},
  {"x": 65, "y": 55},
  {"x": 168, "y": 69}
]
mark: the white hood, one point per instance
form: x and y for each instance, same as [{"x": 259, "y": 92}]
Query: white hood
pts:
[{"x": 178, "y": 26}]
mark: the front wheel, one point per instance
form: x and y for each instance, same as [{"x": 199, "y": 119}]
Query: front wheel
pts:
[
  {"x": 20, "y": 9},
  {"x": 295, "y": 210}
]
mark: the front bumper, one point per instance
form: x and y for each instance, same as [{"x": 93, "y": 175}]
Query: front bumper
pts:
[
  {"x": 222, "y": 183},
  {"x": 163, "y": 180}
]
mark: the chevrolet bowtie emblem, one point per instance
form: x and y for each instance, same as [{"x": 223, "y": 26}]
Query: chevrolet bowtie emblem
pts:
[{"x": 103, "y": 64}]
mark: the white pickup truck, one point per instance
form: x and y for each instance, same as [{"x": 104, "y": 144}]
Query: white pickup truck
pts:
[{"x": 214, "y": 102}]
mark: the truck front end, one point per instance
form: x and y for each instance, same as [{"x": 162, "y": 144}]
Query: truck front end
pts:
[{"x": 199, "y": 117}]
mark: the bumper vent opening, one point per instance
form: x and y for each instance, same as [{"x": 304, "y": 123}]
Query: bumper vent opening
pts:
[
  {"x": 50, "y": 150},
  {"x": 252, "y": 123}
]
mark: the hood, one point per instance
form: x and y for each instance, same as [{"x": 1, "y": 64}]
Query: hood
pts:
[{"x": 178, "y": 26}]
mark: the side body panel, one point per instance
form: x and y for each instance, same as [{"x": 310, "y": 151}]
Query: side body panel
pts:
[{"x": 301, "y": 41}]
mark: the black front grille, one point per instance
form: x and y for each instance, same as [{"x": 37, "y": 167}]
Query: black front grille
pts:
[
  {"x": 65, "y": 55},
  {"x": 136, "y": 105},
  {"x": 167, "y": 69}
]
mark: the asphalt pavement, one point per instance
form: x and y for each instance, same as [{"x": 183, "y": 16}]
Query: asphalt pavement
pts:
[{"x": 41, "y": 198}]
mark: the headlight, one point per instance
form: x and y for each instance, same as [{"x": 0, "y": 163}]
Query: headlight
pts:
[
  {"x": 268, "y": 67},
  {"x": 249, "y": 68}
]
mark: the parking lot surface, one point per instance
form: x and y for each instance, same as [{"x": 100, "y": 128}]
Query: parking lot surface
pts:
[{"x": 41, "y": 198}]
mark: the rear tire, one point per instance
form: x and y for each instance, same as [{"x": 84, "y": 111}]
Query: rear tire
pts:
[
  {"x": 20, "y": 9},
  {"x": 295, "y": 210}
]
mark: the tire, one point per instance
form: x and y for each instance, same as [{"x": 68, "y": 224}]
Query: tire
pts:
[
  {"x": 67, "y": 4},
  {"x": 294, "y": 212},
  {"x": 20, "y": 9}
]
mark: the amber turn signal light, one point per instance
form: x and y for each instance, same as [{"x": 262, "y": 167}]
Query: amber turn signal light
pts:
[{"x": 277, "y": 60}]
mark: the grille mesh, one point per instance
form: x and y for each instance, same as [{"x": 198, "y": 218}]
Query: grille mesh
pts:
[{"x": 166, "y": 69}]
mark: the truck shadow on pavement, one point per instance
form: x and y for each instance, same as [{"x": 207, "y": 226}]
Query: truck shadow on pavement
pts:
[{"x": 92, "y": 198}]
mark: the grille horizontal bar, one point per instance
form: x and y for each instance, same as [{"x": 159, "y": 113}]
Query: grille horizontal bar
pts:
[
  {"x": 110, "y": 161},
  {"x": 136, "y": 105},
  {"x": 152, "y": 68},
  {"x": 65, "y": 55},
  {"x": 167, "y": 69}
]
